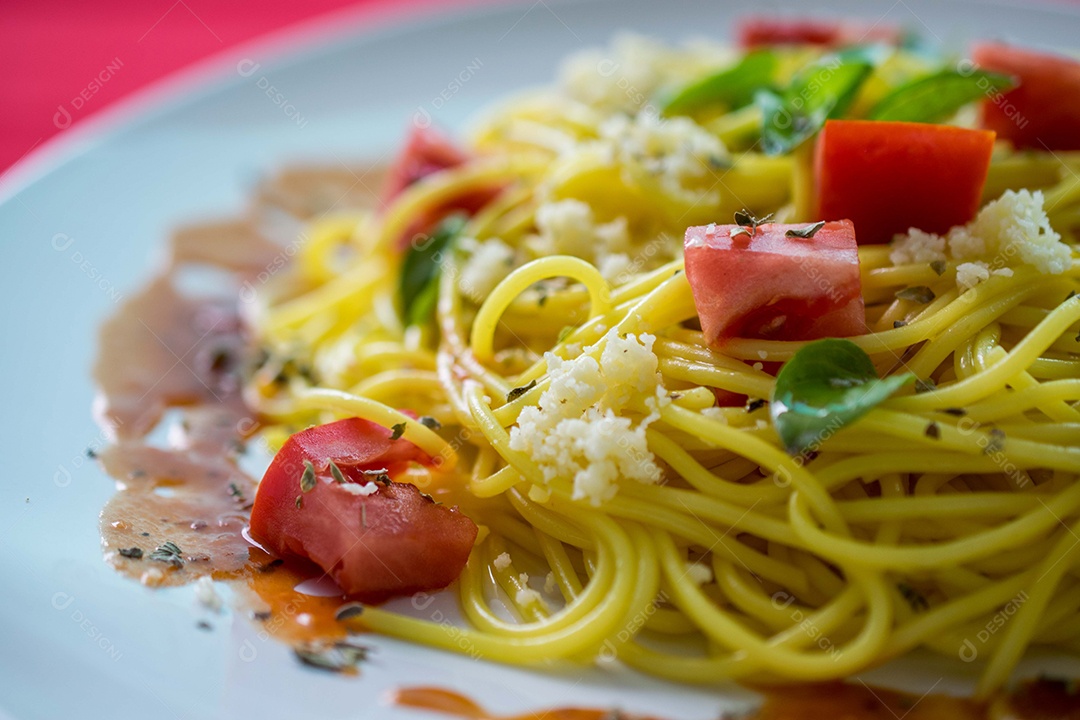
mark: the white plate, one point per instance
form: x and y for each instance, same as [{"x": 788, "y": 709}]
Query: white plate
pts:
[{"x": 82, "y": 226}]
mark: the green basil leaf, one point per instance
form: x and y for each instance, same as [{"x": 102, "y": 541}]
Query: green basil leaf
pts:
[
  {"x": 418, "y": 286},
  {"x": 823, "y": 387},
  {"x": 732, "y": 87},
  {"x": 937, "y": 97},
  {"x": 823, "y": 89}
]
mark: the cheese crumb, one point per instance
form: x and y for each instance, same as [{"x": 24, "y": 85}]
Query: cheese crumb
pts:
[
  {"x": 502, "y": 562},
  {"x": 676, "y": 152},
  {"x": 970, "y": 274},
  {"x": 526, "y": 595},
  {"x": 625, "y": 76},
  {"x": 918, "y": 247},
  {"x": 699, "y": 573},
  {"x": 206, "y": 594},
  {"x": 715, "y": 413},
  {"x": 583, "y": 429},
  {"x": 568, "y": 227},
  {"x": 1011, "y": 231},
  {"x": 368, "y": 488},
  {"x": 152, "y": 577},
  {"x": 550, "y": 586},
  {"x": 488, "y": 265}
]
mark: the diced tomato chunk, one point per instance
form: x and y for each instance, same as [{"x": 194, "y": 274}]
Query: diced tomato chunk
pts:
[
  {"x": 774, "y": 286},
  {"x": 759, "y": 31},
  {"x": 394, "y": 541},
  {"x": 888, "y": 177},
  {"x": 1043, "y": 111},
  {"x": 426, "y": 152}
]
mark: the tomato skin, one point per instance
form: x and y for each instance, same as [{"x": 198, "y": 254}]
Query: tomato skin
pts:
[
  {"x": 426, "y": 152},
  {"x": 773, "y": 286},
  {"x": 888, "y": 177},
  {"x": 1043, "y": 111},
  {"x": 757, "y": 31},
  {"x": 393, "y": 542}
]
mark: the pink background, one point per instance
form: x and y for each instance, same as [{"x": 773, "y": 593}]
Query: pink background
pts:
[{"x": 66, "y": 60}]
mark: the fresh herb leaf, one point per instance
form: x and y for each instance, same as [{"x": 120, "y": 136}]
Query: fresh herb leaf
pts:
[
  {"x": 937, "y": 97},
  {"x": 168, "y": 552},
  {"x": 397, "y": 430},
  {"x": 236, "y": 492},
  {"x": 917, "y": 293},
  {"x": 826, "y": 385},
  {"x": 746, "y": 219},
  {"x": 335, "y": 472},
  {"x": 430, "y": 422},
  {"x": 898, "y": 324},
  {"x": 307, "y": 478},
  {"x": 519, "y": 391},
  {"x": 299, "y": 502},
  {"x": 418, "y": 286},
  {"x": 933, "y": 430},
  {"x": 731, "y": 87},
  {"x": 807, "y": 232},
  {"x": 925, "y": 386},
  {"x": 939, "y": 267},
  {"x": 823, "y": 89},
  {"x": 134, "y": 553}
]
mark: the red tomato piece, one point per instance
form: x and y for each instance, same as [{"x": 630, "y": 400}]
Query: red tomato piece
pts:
[
  {"x": 888, "y": 177},
  {"x": 427, "y": 152},
  {"x": 395, "y": 541},
  {"x": 1043, "y": 111},
  {"x": 757, "y": 31},
  {"x": 774, "y": 286}
]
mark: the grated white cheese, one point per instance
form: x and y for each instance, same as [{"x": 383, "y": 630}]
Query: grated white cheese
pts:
[
  {"x": 626, "y": 76},
  {"x": 583, "y": 428},
  {"x": 490, "y": 262},
  {"x": 699, "y": 573},
  {"x": 715, "y": 413},
  {"x": 206, "y": 595},
  {"x": 502, "y": 561},
  {"x": 368, "y": 488},
  {"x": 970, "y": 274},
  {"x": 1011, "y": 231},
  {"x": 526, "y": 595},
  {"x": 567, "y": 227},
  {"x": 918, "y": 247},
  {"x": 677, "y": 152},
  {"x": 152, "y": 577},
  {"x": 550, "y": 585}
]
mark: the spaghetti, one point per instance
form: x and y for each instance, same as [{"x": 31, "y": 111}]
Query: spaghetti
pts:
[{"x": 712, "y": 553}]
